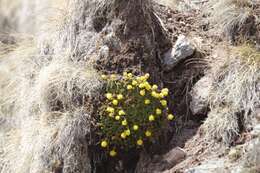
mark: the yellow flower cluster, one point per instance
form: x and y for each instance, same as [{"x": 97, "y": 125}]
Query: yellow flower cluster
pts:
[{"x": 131, "y": 111}]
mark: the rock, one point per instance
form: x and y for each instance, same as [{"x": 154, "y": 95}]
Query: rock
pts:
[
  {"x": 199, "y": 95},
  {"x": 256, "y": 130},
  {"x": 112, "y": 41},
  {"x": 104, "y": 52},
  {"x": 160, "y": 163},
  {"x": 181, "y": 50},
  {"x": 212, "y": 166},
  {"x": 257, "y": 114},
  {"x": 175, "y": 156}
]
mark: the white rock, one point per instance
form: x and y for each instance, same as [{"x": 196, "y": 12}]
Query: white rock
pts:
[
  {"x": 181, "y": 50},
  {"x": 104, "y": 52},
  {"x": 199, "y": 95}
]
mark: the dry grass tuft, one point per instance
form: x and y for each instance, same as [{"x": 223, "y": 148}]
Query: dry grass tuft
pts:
[
  {"x": 45, "y": 93},
  {"x": 46, "y": 105},
  {"x": 234, "y": 95},
  {"x": 62, "y": 87},
  {"x": 248, "y": 54},
  {"x": 233, "y": 18},
  {"x": 173, "y": 4},
  {"x": 221, "y": 125}
]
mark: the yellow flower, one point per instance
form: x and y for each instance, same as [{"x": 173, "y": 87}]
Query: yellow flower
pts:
[
  {"x": 120, "y": 96},
  {"x": 125, "y": 74},
  {"x": 123, "y": 135},
  {"x": 104, "y": 77},
  {"x": 155, "y": 95},
  {"x": 154, "y": 87},
  {"x": 163, "y": 102},
  {"x": 165, "y": 91},
  {"x": 147, "y": 75},
  {"x": 112, "y": 153},
  {"x": 158, "y": 111},
  {"x": 134, "y": 83},
  {"x": 148, "y": 133},
  {"x": 104, "y": 144},
  {"x": 141, "y": 85},
  {"x": 113, "y": 76},
  {"x": 121, "y": 112},
  {"x": 129, "y": 87},
  {"x": 127, "y": 132},
  {"x": 110, "y": 109},
  {"x": 170, "y": 117},
  {"x": 124, "y": 123},
  {"x": 130, "y": 75},
  {"x": 115, "y": 102},
  {"x": 111, "y": 115},
  {"x": 143, "y": 78},
  {"x": 147, "y": 86},
  {"x": 109, "y": 96},
  {"x": 135, "y": 127},
  {"x": 147, "y": 101},
  {"x": 151, "y": 118},
  {"x": 161, "y": 95},
  {"x": 146, "y": 83},
  {"x": 117, "y": 117},
  {"x": 139, "y": 142},
  {"x": 142, "y": 92}
]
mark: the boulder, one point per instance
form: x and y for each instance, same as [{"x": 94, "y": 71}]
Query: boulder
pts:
[
  {"x": 175, "y": 156},
  {"x": 181, "y": 50},
  {"x": 199, "y": 95}
]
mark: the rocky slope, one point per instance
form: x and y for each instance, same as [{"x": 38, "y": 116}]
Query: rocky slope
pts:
[{"x": 204, "y": 51}]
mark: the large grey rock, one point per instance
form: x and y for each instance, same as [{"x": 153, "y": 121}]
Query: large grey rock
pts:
[
  {"x": 175, "y": 156},
  {"x": 181, "y": 50},
  {"x": 199, "y": 95}
]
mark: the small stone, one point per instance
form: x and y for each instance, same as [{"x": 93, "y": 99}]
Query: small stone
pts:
[
  {"x": 104, "y": 52},
  {"x": 181, "y": 50},
  {"x": 175, "y": 156},
  {"x": 256, "y": 130},
  {"x": 257, "y": 114},
  {"x": 112, "y": 41}
]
